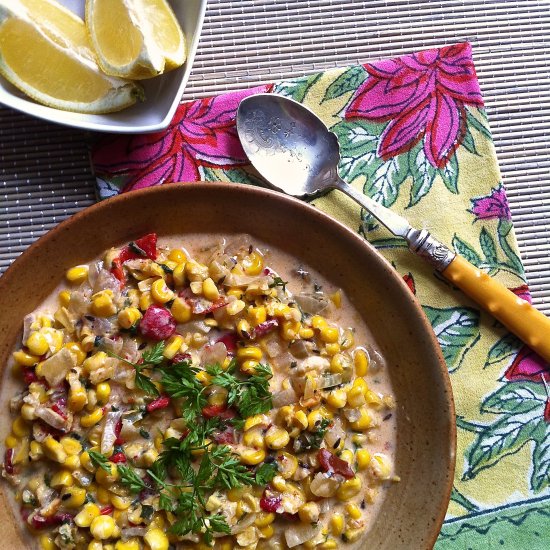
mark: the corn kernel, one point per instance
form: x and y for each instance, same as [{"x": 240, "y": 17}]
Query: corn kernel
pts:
[
  {"x": 173, "y": 346},
  {"x": 264, "y": 518},
  {"x": 347, "y": 455},
  {"x": 64, "y": 298},
  {"x": 76, "y": 349},
  {"x": 47, "y": 543},
  {"x": 63, "y": 478},
  {"x": 156, "y": 539},
  {"x": 362, "y": 457},
  {"x": 332, "y": 349},
  {"x": 37, "y": 343},
  {"x": 253, "y": 263},
  {"x": 353, "y": 511},
  {"x": 72, "y": 462},
  {"x": 11, "y": 441},
  {"x": 257, "y": 315},
  {"x": 309, "y": 512},
  {"x": 73, "y": 497},
  {"x": 28, "y": 412},
  {"x": 249, "y": 367},
  {"x": 300, "y": 420},
  {"x": 77, "y": 399},
  {"x": 361, "y": 362},
  {"x": 89, "y": 420},
  {"x": 54, "y": 450},
  {"x": 203, "y": 377},
  {"x": 103, "y": 495},
  {"x": 315, "y": 417},
  {"x": 95, "y": 545},
  {"x": 329, "y": 544},
  {"x": 181, "y": 310},
  {"x": 160, "y": 292},
  {"x": 210, "y": 290},
  {"x": 337, "y": 399},
  {"x": 252, "y": 457},
  {"x": 349, "y": 488},
  {"x": 318, "y": 322},
  {"x": 329, "y": 334},
  {"x": 25, "y": 359},
  {"x": 235, "y": 307},
  {"x": 77, "y": 274},
  {"x": 279, "y": 483},
  {"x": 177, "y": 255},
  {"x": 103, "y": 392},
  {"x": 381, "y": 466},
  {"x": 145, "y": 300},
  {"x": 243, "y": 328},
  {"x": 130, "y": 544},
  {"x": 70, "y": 445},
  {"x": 290, "y": 330},
  {"x": 306, "y": 333},
  {"x": 107, "y": 478},
  {"x": 102, "y": 304},
  {"x": 35, "y": 451},
  {"x": 178, "y": 274},
  {"x": 287, "y": 465},
  {"x": 356, "y": 397},
  {"x": 96, "y": 361},
  {"x": 363, "y": 422},
  {"x": 254, "y": 438},
  {"x": 337, "y": 524},
  {"x": 102, "y": 527},
  {"x": 120, "y": 503},
  {"x": 266, "y": 532},
  {"x": 128, "y": 317},
  {"x": 256, "y": 420},
  {"x": 373, "y": 399},
  {"x": 253, "y": 353},
  {"x": 276, "y": 438},
  {"x": 85, "y": 517}
]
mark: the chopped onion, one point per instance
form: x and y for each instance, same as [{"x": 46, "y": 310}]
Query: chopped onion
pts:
[
  {"x": 214, "y": 354},
  {"x": 193, "y": 326},
  {"x": 329, "y": 381},
  {"x": 27, "y": 322},
  {"x": 352, "y": 414},
  {"x": 130, "y": 532},
  {"x": 335, "y": 434},
  {"x": 299, "y": 349},
  {"x": 242, "y": 525},
  {"x": 324, "y": 486},
  {"x": 284, "y": 397},
  {"x": 310, "y": 387},
  {"x": 55, "y": 368},
  {"x": 311, "y": 303},
  {"x": 109, "y": 436},
  {"x": 273, "y": 347},
  {"x": 299, "y": 533}
]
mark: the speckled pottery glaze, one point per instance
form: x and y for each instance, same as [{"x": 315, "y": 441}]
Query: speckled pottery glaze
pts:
[{"x": 412, "y": 512}]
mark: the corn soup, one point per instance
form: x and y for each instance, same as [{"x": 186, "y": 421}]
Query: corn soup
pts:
[{"x": 197, "y": 394}]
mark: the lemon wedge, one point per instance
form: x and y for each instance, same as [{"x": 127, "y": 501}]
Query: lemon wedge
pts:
[
  {"x": 135, "y": 38},
  {"x": 45, "y": 52}
]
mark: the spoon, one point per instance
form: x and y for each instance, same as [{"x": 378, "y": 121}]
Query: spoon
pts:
[{"x": 297, "y": 154}]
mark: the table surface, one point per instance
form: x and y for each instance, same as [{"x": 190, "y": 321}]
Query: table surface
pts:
[{"x": 45, "y": 174}]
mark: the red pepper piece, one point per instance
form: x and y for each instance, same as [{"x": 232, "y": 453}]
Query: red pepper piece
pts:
[
  {"x": 331, "y": 463},
  {"x": 227, "y": 436},
  {"x": 180, "y": 358},
  {"x": 60, "y": 410},
  {"x": 29, "y": 375},
  {"x": 219, "y": 411},
  {"x": 270, "y": 502},
  {"x": 159, "y": 403},
  {"x": 106, "y": 510},
  {"x": 118, "y": 429},
  {"x": 147, "y": 243},
  {"x": 264, "y": 328},
  {"x": 118, "y": 272},
  {"x": 118, "y": 458},
  {"x": 230, "y": 340},
  {"x": 40, "y": 522},
  {"x": 8, "y": 462},
  {"x": 157, "y": 323}
]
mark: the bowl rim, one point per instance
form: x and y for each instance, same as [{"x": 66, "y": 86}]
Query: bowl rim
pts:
[
  {"x": 29, "y": 107},
  {"x": 334, "y": 225}
]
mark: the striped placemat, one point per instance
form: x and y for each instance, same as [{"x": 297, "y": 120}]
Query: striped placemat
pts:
[{"x": 44, "y": 169}]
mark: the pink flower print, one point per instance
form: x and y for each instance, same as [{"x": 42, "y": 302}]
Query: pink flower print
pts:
[
  {"x": 423, "y": 96},
  {"x": 528, "y": 366},
  {"x": 202, "y": 133},
  {"x": 492, "y": 206}
]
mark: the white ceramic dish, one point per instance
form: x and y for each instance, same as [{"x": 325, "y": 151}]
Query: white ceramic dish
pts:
[{"x": 162, "y": 93}]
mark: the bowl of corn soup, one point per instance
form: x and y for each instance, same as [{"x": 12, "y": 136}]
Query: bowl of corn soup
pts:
[{"x": 218, "y": 366}]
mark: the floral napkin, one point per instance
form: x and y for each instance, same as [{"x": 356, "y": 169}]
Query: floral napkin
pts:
[{"x": 414, "y": 136}]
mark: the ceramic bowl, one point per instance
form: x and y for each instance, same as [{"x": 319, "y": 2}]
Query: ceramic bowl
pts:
[
  {"x": 162, "y": 93},
  {"x": 413, "y": 509}
]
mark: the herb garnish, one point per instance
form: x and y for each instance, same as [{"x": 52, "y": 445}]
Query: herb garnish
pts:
[
  {"x": 277, "y": 281},
  {"x": 250, "y": 395},
  {"x": 265, "y": 473},
  {"x": 149, "y": 359},
  {"x": 312, "y": 440},
  {"x": 100, "y": 461},
  {"x": 130, "y": 478}
]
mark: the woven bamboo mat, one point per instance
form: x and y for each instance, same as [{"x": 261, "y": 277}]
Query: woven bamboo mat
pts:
[{"x": 44, "y": 169}]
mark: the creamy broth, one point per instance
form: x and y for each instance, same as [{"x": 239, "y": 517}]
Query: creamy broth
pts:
[{"x": 362, "y": 456}]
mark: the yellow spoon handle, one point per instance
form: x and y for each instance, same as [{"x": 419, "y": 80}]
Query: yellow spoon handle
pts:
[{"x": 520, "y": 317}]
